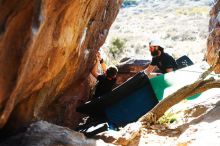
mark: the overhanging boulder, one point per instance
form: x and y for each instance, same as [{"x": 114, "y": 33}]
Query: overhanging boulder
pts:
[{"x": 47, "y": 49}]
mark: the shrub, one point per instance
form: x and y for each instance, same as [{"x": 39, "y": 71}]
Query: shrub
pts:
[
  {"x": 167, "y": 118},
  {"x": 117, "y": 46}
]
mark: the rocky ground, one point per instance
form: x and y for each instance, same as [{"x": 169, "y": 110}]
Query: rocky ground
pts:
[
  {"x": 197, "y": 124},
  {"x": 182, "y": 25}
]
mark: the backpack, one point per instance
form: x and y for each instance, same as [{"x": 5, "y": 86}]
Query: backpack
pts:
[{"x": 183, "y": 61}]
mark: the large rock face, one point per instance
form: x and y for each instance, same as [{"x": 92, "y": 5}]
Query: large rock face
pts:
[
  {"x": 213, "y": 43},
  {"x": 47, "y": 49}
]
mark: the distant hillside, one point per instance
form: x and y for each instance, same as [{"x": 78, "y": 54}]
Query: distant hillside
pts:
[{"x": 181, "y": 25}]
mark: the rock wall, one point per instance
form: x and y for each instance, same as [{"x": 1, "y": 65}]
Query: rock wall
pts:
[
  {"x": 213, "y": 42},
  {"x": 128, "y": 67},
  {"x": 47, "y": 49}
]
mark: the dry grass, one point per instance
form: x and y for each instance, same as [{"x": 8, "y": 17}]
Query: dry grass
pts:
[{"x": 189, "y": 11}]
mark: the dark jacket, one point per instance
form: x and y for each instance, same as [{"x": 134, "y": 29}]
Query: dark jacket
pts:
[
  {"x": 163, "y": 62},
  {"x": 104, "y": 85}
]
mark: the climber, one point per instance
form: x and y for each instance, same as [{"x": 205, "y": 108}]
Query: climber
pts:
[
  {"x": 105, "y": 81},
  {"x": 162, "y": 60}
]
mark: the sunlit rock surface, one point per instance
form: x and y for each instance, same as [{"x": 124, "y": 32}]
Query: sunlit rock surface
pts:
[
  {"x": 214, "y": 36},
  {"x": 47, "y": 49}
]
